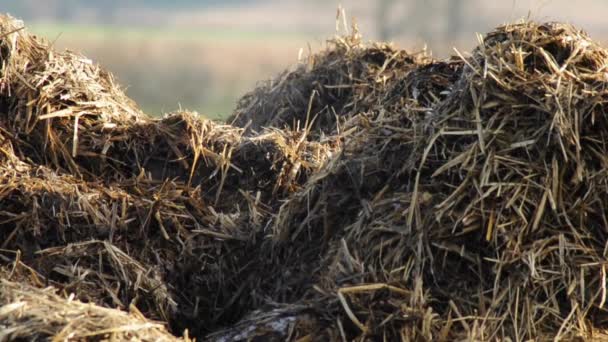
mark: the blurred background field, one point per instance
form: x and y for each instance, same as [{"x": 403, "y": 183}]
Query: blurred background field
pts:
[{"x": 203, "y": 55}]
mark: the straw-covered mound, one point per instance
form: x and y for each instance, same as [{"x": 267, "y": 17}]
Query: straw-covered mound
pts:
[
  {"x": 370, "y": 194},
  {"x": 122, "y": 209},
  {"x": 484, "y": 216},
  {"x": 341, "y": 81},
  {"x": 35, "y": 313}
]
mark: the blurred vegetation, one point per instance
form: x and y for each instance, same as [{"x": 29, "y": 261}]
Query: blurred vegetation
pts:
[
  {"x": 167, "y": 69},
  {"x": 204, "y": 54},
  {"x": 205, "y": 64},
  {"x": 65, "y": 9}
]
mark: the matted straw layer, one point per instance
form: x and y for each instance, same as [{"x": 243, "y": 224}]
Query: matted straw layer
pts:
[
  {"x": 369, "y": 194},
  {"x": 39, "y": 314}
]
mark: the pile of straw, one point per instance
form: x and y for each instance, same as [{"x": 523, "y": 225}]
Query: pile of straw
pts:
[
  {"x": 34, "y": 313},
  {"x": 369, "y": 194},
  {"x": 122, "y": 209}
]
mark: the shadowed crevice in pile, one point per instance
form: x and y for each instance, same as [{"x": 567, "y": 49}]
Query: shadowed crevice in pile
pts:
[{"x": 367, "y": 194}]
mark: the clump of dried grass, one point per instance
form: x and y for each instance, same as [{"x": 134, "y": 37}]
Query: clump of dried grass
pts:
[
  {"x": 62, "y": 104},
  {"x": 31, "y": 313},
  {"x": 347, "y": 78}
]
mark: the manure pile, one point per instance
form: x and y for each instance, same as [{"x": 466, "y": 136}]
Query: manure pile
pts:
[{"x": 368, "y": 194}]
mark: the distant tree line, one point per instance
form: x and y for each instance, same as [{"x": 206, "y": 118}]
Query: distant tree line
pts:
[
  {"x": 67, "y": 9},
  {"x": 395, "y": 17}
]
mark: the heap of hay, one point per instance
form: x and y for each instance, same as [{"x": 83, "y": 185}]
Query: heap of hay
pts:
[
  {"x": 480, "y": 218},
  {"x": 124, "y": 210},
  {"x": 370, "y": 194},
  {"x": 344, "y": 80},
  {"x": 40, "y": 314}
]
